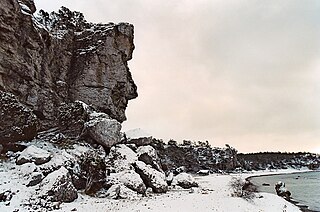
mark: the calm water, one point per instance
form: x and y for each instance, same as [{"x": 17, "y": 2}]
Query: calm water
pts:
[{"x": 304, "y": 187}]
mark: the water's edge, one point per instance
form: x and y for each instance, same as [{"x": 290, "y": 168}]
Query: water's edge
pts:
[{"x": 303, "y": 207}]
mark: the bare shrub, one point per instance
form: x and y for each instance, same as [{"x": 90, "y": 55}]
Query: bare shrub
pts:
[{"x": 242, "y": 188}]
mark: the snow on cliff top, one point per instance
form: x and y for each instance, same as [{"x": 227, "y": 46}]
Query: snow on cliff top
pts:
[{"x": 137, "y": 133}]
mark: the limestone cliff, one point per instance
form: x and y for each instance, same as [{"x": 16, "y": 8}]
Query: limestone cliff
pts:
[{"x": 51, "y": 59}]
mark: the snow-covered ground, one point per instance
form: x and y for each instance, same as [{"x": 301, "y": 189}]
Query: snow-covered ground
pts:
[{"x": 213, "y": 194}]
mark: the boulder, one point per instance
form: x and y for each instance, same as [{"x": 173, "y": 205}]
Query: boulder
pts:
[
  {"x": 104, "y": 131},
  {"x": 58, "y": 187},
  {"x": 120, "y": 191},
  {"x": 18, "y": 122},
  {"x": 149, "y": 156},
  {"x": 185, "y": 181},
  {"x": 151, "y": 177},
  {"x": 33, "y": 154},
  {"x": 121, "y": 158},
  {"x": 130, "y": 179}
]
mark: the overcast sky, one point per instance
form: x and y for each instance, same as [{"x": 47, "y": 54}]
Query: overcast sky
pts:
[{"x": 246, "y": 73}]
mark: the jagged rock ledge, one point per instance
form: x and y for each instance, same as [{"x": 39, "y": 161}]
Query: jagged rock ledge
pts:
[{"x": 48, "y": 60}]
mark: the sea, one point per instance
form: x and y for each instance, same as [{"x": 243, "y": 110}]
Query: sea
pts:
[{"x": 304, "y": 187}]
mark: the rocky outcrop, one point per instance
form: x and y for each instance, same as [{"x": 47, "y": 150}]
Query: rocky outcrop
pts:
[{"x": 58, "y": 58}]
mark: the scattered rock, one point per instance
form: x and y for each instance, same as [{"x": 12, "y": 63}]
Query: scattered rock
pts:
[
  {"x": 33, "y": 154},
  {"x": 151, "y": 177},
  {"x": 185, "y": 181}
]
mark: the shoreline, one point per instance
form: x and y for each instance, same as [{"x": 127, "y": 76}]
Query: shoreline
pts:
[{"x": 303, "y": 208}]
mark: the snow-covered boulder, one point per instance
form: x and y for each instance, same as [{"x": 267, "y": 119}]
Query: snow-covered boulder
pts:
[
  {"x": 104, "y": 131},
  {"x": 58, "y": 187},
  {"x": 185, "y": 181},
  {"x": 121, "y": 158},
  {"x": 120, "y": 191},
  {"x": 148, "y": 155},
  {"x": 128, "y": 178},
  {"x": 33, "y": 154},
  {"x": 151, "y": 177}
]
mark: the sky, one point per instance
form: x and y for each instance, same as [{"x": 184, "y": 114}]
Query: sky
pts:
[{"x": 238, "y": 72}]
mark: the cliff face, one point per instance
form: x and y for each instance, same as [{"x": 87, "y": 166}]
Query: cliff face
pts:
[{"x": 58, "y": 58}]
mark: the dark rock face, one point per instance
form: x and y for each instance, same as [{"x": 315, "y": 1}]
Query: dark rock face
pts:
[
  {"x": 17, "y": 121},
  {"x": 45, "y": 63}
]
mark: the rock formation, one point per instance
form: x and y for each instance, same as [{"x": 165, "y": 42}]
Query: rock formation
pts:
[{"x": 58, "y": 58}]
